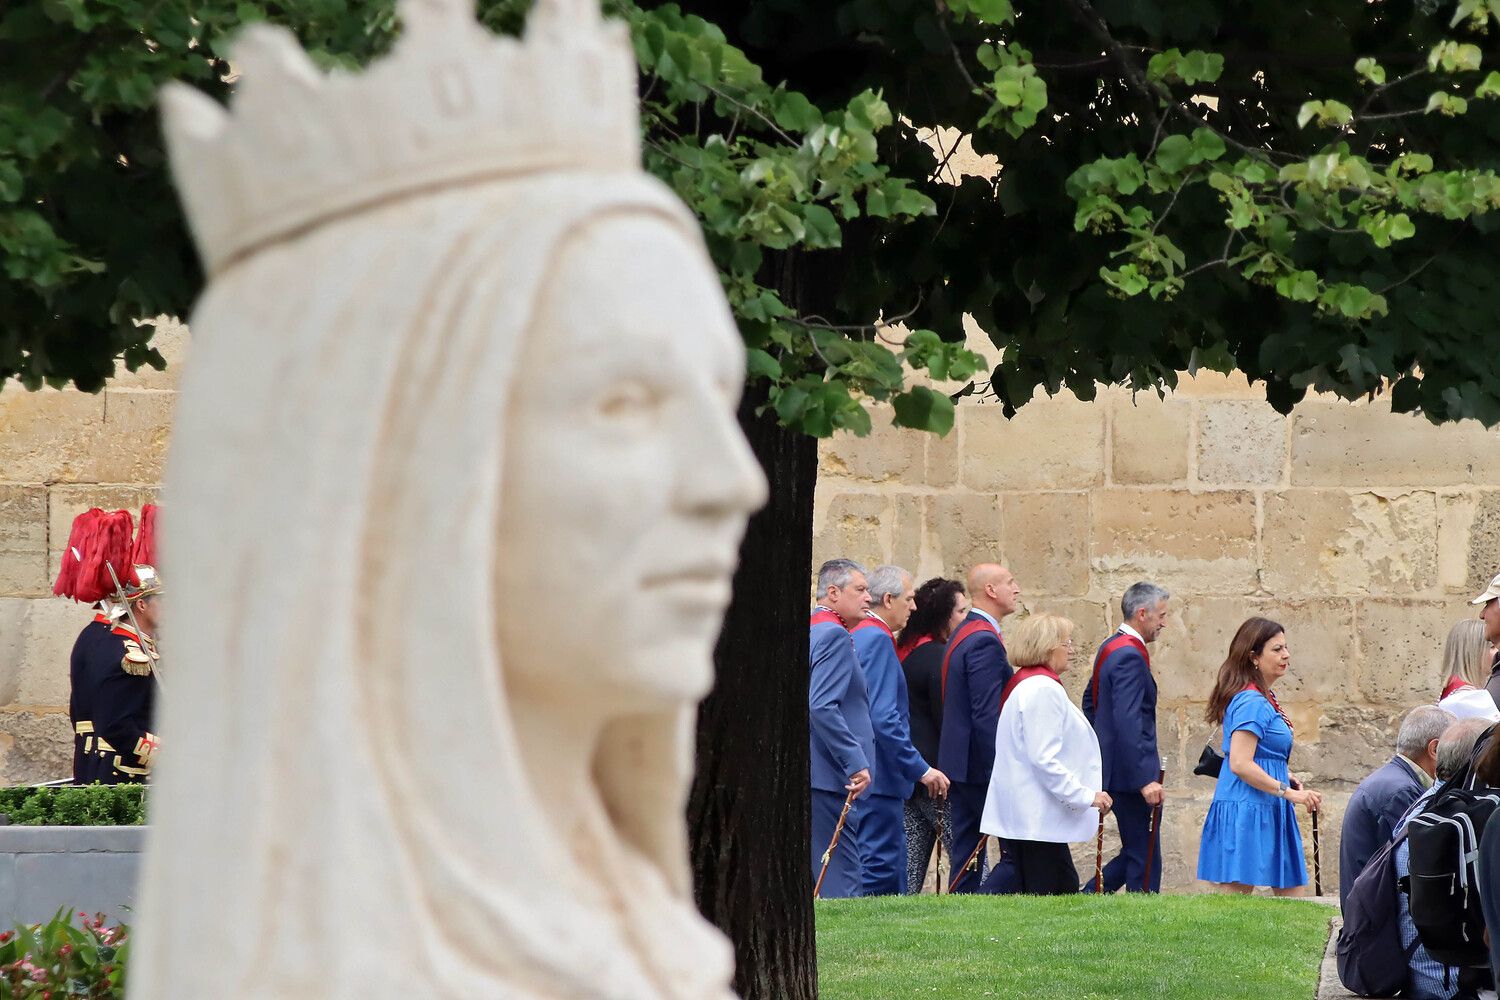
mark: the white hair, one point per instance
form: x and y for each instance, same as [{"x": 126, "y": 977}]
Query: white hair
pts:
[
  {"x": 1421, "y": 726},
  {"x": 887, "y": 581}
]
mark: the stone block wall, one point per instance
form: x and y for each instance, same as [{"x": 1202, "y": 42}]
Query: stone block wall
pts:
[
  {"x": 62, "y": 452},
  {"x": 1362, "y": 531}
]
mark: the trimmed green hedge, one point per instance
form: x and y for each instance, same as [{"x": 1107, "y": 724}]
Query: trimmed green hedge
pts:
[{"x": 75, "y": 805}]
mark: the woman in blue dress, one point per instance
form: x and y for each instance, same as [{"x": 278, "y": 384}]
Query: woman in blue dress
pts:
[{"x": 1250, "y": 837}]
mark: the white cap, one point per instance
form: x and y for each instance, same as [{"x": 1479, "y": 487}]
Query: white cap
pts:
[{"x": 1490, "y": 594}]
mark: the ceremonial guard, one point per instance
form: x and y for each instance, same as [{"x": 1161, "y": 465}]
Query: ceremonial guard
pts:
[
  {"x": 1120, "y": 703},
  {"x": 113, "y": 670},
  {"x": 975, "y": 669}
]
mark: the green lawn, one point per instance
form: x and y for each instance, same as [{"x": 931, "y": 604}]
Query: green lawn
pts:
[{"x": 1071, "y": 948}]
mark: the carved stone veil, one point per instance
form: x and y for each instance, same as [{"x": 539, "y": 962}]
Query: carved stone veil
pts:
[{"x": 347, "y": 806}]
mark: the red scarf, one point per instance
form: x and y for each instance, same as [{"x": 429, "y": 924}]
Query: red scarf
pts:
[
  {"x": 907, "y": 648},
  {"x": 822, "y": 614},
  {"x": 875, "y": 621},
  {"x": 1021, "y": 675},
  {"x": 1270, "y": 696},
  {"x": 1454, "y": 684}
]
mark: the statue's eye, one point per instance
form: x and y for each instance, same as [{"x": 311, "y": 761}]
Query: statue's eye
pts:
[{"x": 630, "y": 399}]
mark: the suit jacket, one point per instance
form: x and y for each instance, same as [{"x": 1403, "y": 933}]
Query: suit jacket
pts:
[
  {"x": 977, "y": 672},
  {"x": 1493, "y": 684},
  {"x": 923, "y": 667},
  {"x": 898, "y": 766},
  {"x": 1124, "y": 718},
  {"x": 838, "y": 707},
  {"x": 1372, "y": 813}
]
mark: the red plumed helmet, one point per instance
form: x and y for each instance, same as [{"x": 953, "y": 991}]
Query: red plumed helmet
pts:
[
  {"x": 145, "y": 539},
  {"x": 106, "y": 546},
  {"x": 80, "y": 540}
]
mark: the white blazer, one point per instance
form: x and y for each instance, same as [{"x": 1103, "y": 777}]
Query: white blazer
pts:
[
  {"x": 1470, "y": 702},
  {"x": 1047, "y": 768}
]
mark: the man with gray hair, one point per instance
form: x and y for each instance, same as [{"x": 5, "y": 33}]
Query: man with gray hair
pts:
[
  {"x": 1120, "y": 703},
  {"x": 1383, "y": 798},
  {"x": 1427, "y": 978},
  {"x": 898, "y": 765},
  {"x": 841, "y": 743}
]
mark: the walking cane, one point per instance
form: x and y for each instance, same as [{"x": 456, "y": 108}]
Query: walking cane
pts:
[
  {"x": 973, "y": 858},
  {"x": 1317, "y": 862},
  {"x": 838, "y": 831},
  {"x": 1155, "y": 828},
  {"x": 937, "y": 852},
  {"x": 1099, "y": 860}
]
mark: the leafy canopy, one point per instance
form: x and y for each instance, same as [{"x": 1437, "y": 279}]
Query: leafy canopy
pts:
[{"x": 1303, "y": 193}]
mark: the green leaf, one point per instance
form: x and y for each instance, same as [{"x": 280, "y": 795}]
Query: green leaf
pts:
[
  {"x": 1370, "y": 70},
  {"x": 760, "y": 365},
  {"x": 923, "y": 409},
  {"x": 1174, "y": 153}
]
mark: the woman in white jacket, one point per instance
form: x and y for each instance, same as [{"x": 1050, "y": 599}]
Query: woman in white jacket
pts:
[{"x": 1045, "y": 788}]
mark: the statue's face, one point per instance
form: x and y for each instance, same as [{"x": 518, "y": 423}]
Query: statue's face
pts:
[{"x": 627, "y": 480}]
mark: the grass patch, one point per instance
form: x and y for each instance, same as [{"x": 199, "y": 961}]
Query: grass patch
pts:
[{"x": 1071, "y": 947}]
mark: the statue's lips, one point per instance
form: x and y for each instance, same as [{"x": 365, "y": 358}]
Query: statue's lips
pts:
[{"x": 707, "y": 584}]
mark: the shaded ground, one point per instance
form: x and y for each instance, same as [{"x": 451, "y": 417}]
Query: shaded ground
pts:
[{"x": 1071, "y": 948}]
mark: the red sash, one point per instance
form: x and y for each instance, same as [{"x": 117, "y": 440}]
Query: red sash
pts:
[
  {"x": 969, "y": 628},
  {"x": 1118, "y": 641},
  {"x": 1021, "y": 675},
  {"x": 872, "y": 621},
  {"x": 822, "y": 615},
  {"x": 903, "y": 651},
  {"x": 1270, "y": 696},
  {"x": 1454, "y": 684}
]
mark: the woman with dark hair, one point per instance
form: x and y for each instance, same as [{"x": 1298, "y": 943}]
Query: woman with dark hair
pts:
[
  {"x": 1250, "y": 836},
  {"x": 941, "y": 605}
]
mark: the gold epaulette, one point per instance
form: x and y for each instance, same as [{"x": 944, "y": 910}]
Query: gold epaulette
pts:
[{"x": 137, "y": 661}]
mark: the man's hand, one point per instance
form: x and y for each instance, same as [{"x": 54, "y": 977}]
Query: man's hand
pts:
[
  {"x": 1103, "y": 803},
  {"x": 936, "y": 783},
  {"x": 1152, "y": 793},
  {"x": 858, "y": 782}
]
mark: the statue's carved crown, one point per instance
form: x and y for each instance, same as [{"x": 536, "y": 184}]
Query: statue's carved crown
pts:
[{"x": 451, "y": 104}]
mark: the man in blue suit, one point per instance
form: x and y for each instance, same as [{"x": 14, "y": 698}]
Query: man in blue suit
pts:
[
  {"x": 1377, "y": 805},
  {"x": 975, "y": 670},
  {"x": 841, "y": 741},
  {"x": 1120, "y": 702},
  {"x": 898, "y": 766}
]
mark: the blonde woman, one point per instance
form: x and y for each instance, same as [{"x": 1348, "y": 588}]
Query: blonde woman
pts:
[
  {"x": 1046, "y": 789},
  {"x": 1466, "y": 668}
]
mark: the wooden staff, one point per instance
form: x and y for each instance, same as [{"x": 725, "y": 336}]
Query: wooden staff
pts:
[
  {"x": 1317, "y": 862},
  {"x": 937, "y": 849},
  {"x": 973, "y": 859},
  {"x": 1155, "y": 829},
  {"x": 838, "y": 831},
  {"x": 1099, "y": 859}
]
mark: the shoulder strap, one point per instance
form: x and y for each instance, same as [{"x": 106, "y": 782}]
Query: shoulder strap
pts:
[
  {"x": 968, "y": 629},
  {"x": 1118, "y": 641}
]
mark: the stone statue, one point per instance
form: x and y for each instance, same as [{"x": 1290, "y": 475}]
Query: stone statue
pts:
[{"x": 455, "y": 496}]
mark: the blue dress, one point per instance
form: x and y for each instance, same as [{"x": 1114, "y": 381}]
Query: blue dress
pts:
[{"x": 1250, "y": 836}]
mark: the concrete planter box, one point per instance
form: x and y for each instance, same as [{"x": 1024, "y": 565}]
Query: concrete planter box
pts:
[{"x": 88, "y": 868}]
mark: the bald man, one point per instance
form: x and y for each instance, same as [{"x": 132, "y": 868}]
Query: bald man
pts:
[{"x": 975, "y": 670}]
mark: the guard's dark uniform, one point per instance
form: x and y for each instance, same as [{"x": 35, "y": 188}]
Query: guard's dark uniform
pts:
[{"x": 113, "y": 694}]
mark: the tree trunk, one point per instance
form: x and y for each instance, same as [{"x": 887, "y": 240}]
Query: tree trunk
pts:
[{"x": 749, "y": 809}]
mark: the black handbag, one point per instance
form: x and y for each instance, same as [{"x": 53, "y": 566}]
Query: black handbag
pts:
[{"x": 1210, "y": 762}]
